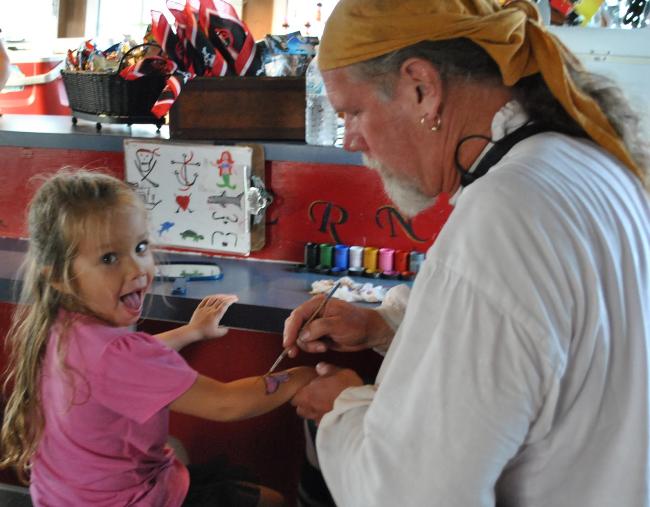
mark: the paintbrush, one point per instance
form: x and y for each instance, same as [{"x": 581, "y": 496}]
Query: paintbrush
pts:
[{"x": 284, "y": 353}]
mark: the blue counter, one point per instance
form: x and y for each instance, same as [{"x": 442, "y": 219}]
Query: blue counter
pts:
[{"x": 267, "y": 291}]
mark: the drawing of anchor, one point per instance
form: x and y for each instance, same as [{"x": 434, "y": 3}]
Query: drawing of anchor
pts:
[
  {"x": 181, "y": 175},
  {"x": 145, "y": 163},
  {"x": 226, "y": 219},
  {"x": 225, "y": 242},
  {"x": 224, "y": 199}
]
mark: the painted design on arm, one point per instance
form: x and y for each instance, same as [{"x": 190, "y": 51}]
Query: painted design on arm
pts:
[{"x": 273, "y": 381}]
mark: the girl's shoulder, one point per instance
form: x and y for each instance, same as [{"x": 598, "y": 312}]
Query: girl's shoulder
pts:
[{"x": 87, "y": 336}]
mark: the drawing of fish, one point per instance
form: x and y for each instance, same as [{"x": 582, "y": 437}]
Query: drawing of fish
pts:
[
  {"x": 224, "y": 199},
  {"x": 164, "y": 227}
]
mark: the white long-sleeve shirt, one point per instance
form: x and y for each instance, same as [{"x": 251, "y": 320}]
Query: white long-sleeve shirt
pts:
[{"x": 519, "y": 375}]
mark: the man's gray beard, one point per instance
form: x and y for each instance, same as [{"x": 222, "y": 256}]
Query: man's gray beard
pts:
[{"x": 405, "y": 194}]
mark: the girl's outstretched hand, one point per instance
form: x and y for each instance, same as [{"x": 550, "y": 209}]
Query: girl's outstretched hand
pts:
[{"x": 208, "y": 314}]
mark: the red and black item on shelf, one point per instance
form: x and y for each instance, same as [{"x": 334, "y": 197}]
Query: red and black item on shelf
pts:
[
  {"x": 163, "y": 35},
  {"x": 209, "y": 40},
  {"x": 202, "y": 58},
  {"x": 230, "y": 35},
  {"x": 147, "y": 66},
  {"x": 171, "y": 90}
]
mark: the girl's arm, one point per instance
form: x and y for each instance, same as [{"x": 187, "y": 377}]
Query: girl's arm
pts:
[{"x": 239, "y": 399}]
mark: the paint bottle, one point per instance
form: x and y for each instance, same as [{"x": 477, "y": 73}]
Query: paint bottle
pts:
[
  {"x": 386, "y": 263},
  {"x": 370, "y": 262},
  {"x": 341, "y": 256},
  {"x": 311, "y": 255},
  {"x": 401, "y": 261},
  {"x": 340, "y": 262},
  {"x": 325, "y": 256},
  {"x": 415, "y": 261},
  {"x": 356, "y": 260}
]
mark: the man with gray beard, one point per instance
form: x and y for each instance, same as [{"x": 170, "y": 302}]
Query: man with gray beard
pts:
[
  {"x": 517, "y": 370},
  {"x": 404, "y": 193}
]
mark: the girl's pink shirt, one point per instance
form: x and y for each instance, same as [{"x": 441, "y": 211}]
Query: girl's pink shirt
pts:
[{"x": 107, "y": 418}]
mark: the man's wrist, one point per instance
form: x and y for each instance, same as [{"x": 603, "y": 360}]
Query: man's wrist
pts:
[{"x": 380, "y": 333}]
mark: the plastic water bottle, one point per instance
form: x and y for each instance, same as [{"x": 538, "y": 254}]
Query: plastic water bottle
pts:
[{"x": 320, "y": 117}]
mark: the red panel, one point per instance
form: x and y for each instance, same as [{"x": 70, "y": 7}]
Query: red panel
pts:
[
  {"x": 6, "y": 476},
  {"x": 339, "y": 204},
  {"x": 19, "y": 165},
  {"x": 312, "y": 202},
  {"x": 45, "y": 98},
  {"x": 272, "y": 445}
]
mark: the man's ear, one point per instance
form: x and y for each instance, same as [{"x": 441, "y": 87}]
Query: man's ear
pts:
[{"x": 426, "y": 83}]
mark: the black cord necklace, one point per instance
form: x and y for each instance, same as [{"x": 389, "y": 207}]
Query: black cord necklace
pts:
[{"x": 496, "y": 152}]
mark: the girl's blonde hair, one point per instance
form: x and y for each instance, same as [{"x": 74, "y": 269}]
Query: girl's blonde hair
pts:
[{"x": 67, "y": 207}]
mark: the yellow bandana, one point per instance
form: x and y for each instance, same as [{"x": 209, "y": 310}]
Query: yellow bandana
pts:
[{"x": 513, "y": 36}]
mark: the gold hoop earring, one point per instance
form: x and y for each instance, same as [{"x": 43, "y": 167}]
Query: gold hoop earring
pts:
[{"x": 437, "y": 121}]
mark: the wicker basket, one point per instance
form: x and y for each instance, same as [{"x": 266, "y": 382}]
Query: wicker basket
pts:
[{"x": 109, "y": 95}]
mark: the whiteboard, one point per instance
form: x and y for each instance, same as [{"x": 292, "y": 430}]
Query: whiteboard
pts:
[{"x": 196, "y": 194}]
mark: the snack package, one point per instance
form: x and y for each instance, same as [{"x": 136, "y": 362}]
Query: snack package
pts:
[
  {"x": 288, "y": 55},
  {"x": 88, "y": 58}
]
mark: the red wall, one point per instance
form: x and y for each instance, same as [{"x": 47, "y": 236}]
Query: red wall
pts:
[
  {"x": 18, "y": 166},
  {"x": 5, "y": 319},
  {"x": 312, "y": 202},
  {"x": 271, "y": 445}
]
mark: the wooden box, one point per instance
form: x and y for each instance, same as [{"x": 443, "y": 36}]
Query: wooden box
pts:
[{"x": 259, "y": 108}]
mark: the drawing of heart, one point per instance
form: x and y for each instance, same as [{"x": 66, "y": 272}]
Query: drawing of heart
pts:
[{"x": 183, "y": 201}]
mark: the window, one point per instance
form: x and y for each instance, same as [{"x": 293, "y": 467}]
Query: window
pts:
[
  {"x": 116, "y": 18},
  {"x": 306, "y": 16}
]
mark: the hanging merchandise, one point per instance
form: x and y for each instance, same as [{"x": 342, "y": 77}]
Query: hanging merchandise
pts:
[
  {"x": 586, "y": 10},
  {"x": 636, "y": 14},
  {"x": 209, "y": 40}
]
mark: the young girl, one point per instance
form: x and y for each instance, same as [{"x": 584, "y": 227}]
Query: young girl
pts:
[{"x": 88, "y": 413}]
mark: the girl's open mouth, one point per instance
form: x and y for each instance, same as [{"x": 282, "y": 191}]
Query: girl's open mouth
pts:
[{"x": 132, "y": 300}]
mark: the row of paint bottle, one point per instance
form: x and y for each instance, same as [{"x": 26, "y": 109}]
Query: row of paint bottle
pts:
[{"x": 368, "y": 261}]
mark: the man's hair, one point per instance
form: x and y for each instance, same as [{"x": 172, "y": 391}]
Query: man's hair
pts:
[{"x": 461, "y": 60}]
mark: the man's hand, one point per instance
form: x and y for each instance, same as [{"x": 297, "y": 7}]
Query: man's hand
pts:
[
  {"x": 342, "y": 326},
  {"x": 317, "y": 398}
]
